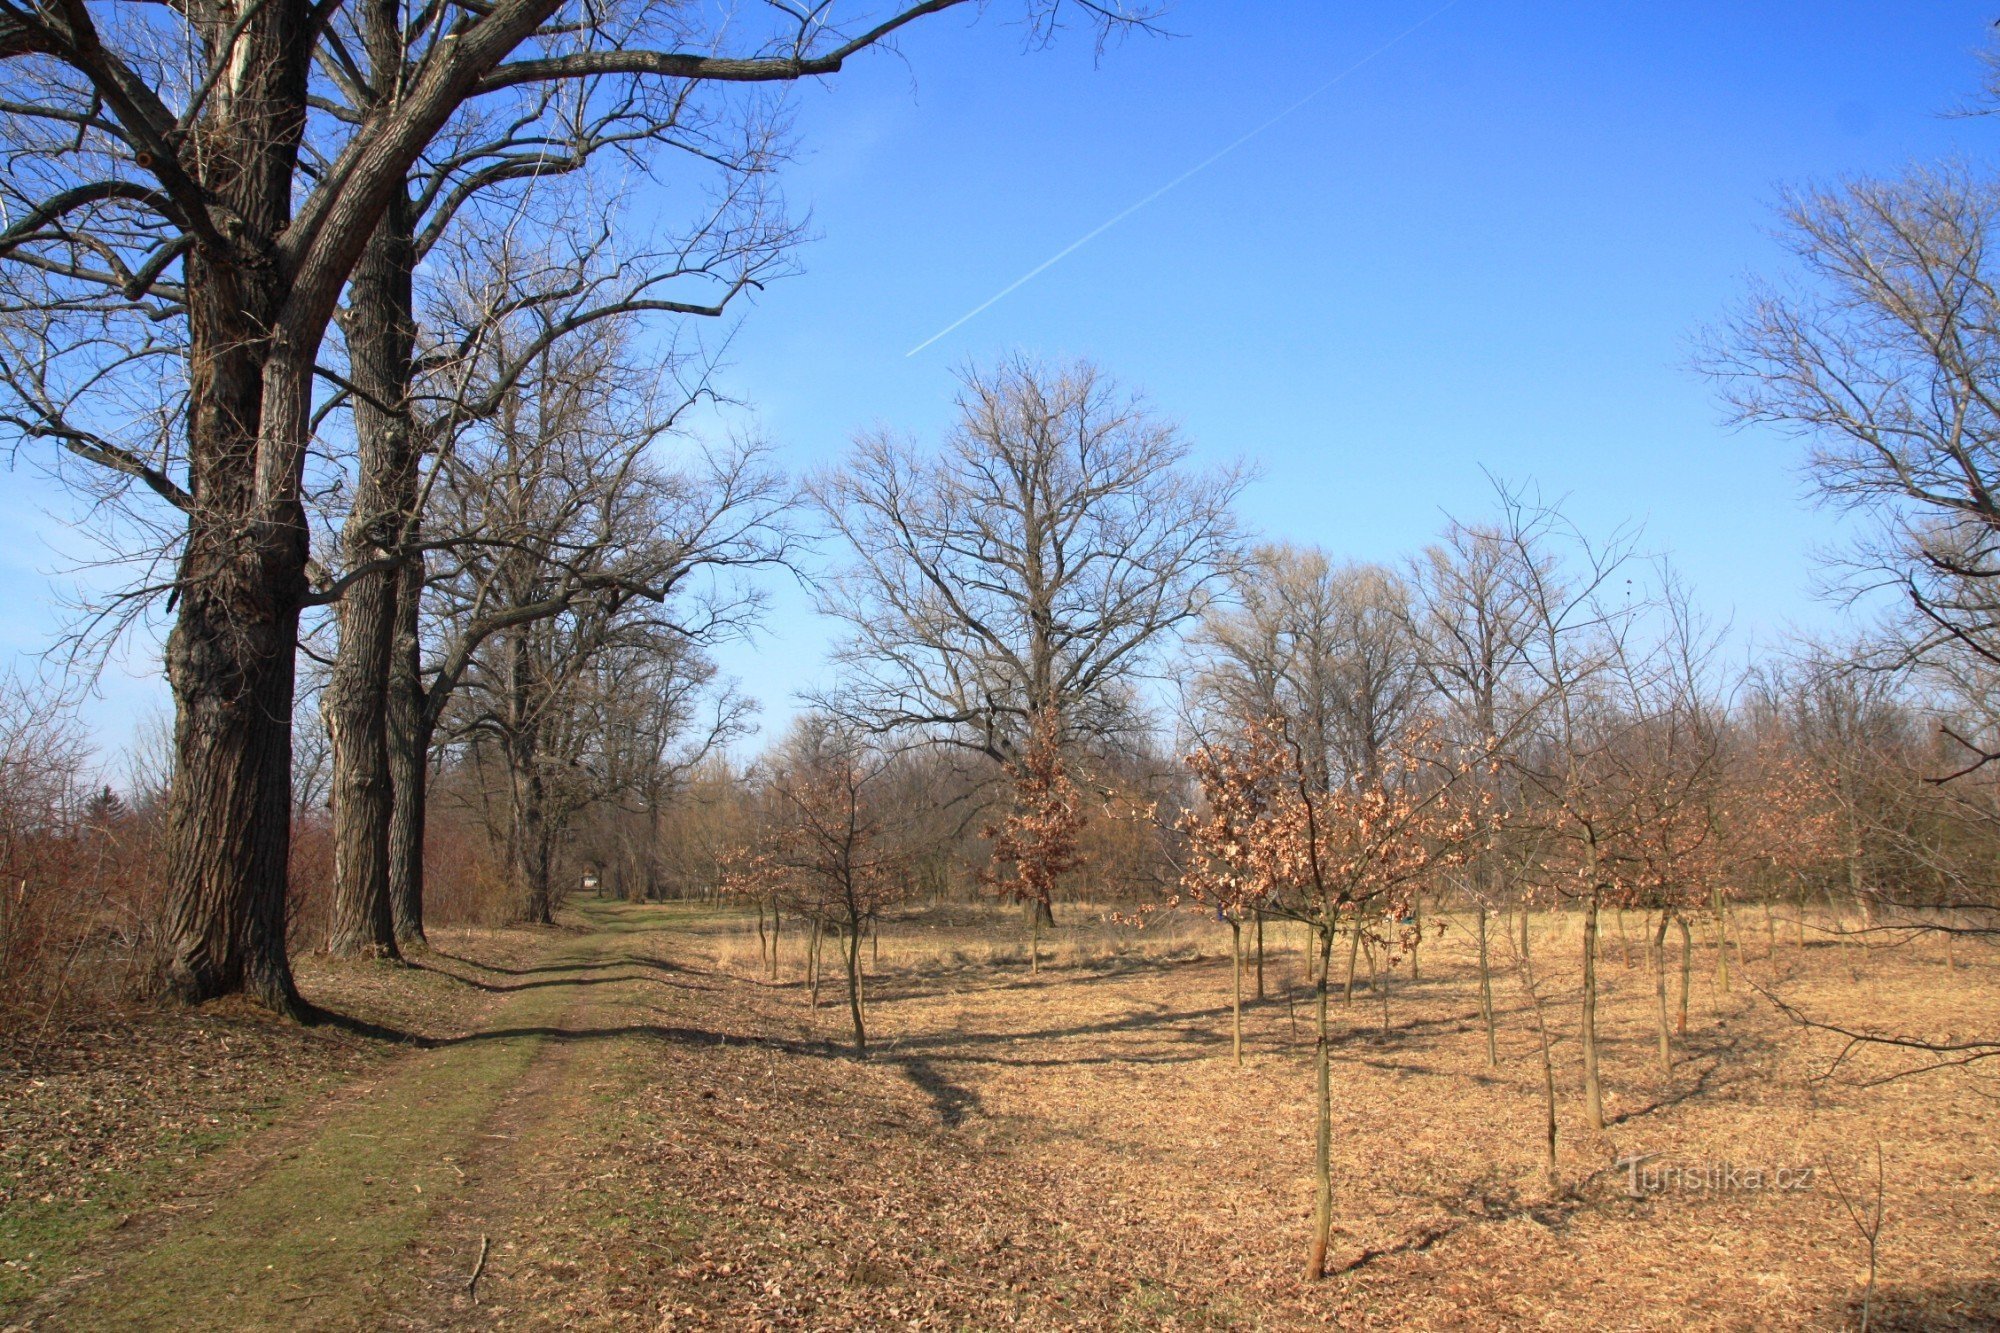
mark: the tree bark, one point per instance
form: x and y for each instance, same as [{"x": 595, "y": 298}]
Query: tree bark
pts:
[
  {"x": 1486, "y": 994},
  {"x": 1417, "y": 943},
  {"x": 231, "y": 655},
  {"x": 380, "y": 328},
  {"x": 1660, "y": 994},
  {"x": 854, "y": 989},
  {"x": 410, "y": 729},
  {"x": 1593, "y": 1091},
  {"x": 1721, "y": 940},
  {"x": 1260, "y": 954},
  {"x": 1236, "y": 990},
  {"x": 1323, "y": 1142},
  {"x": 1687, "y": 968}
]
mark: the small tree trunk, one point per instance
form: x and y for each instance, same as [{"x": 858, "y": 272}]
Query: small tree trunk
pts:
[
  {"x": 1624, "y": 940},
  {"x": 1382, "y": 989},
  {"x": 1486, "y": 995},
  {"x": 1417, "y": 941},
  {"x": 1687, "y": 969},
  {"x": 1525, "y": 914},
  {"x": 854, "y": 990},
  {"x": 1353, "y": 957},
  {"x": 1260, "y": 954},
  {"x": 1721, "y": 941},
  {"x": 777, "y": 928},
  {"x": 1236, "y": 990},
  {"x": 1034, "y": 942},
  {"x": 1323, "y": 1143},
  {"x": 812, "y": 960},
  {"x": 763, "y": 941},
  {"x": 1548, "y": 1100},
  {"x": 1770, "y": 932},
  {"x": 1660, "y": 994},
  {"x": 1548, "y": 1073},
  {"x": 1593, "y": 1090}
]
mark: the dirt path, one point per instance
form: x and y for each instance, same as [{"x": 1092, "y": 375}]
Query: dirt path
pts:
[{"x": 327, "y": 1220}]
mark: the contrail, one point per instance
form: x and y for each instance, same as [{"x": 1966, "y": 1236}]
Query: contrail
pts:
[{"x": 1192, "y": 171}]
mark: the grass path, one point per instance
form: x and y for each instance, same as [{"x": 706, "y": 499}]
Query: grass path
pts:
[{"x": 327, "y": 1207}]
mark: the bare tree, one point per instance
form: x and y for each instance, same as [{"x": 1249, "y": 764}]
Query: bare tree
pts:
[
  {"x": 1884, "y": 362},
  {"x": 572, "y": 539},
  {"x": 829, "y": 845},
  {"x": 1326, "y": 646},
  {"x": 1032, "y": 567},
  {"x": 183, "y": 213},
  {"x": 1470, "y": 614}
]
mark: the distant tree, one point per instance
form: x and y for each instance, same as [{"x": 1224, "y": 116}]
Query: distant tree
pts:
[
  {"x": 1030, "y": 568},
  {"x": 1035, "y": 844},
  {"x": 827, "y": 846}
]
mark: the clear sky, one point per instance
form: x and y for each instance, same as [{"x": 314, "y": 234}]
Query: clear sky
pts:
[{"x": 1487, "y": 247}]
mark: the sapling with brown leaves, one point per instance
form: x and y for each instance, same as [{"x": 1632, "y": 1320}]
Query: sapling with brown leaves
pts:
[
  {"x": 827, "y": 849},
  {"x": 1270, "y": 835},
  {"x": 1035, "y": 844}
]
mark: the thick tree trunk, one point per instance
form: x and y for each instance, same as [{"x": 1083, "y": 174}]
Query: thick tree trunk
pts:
[
  {"x": 528, "y": 843},
  {"x": 380, "y": 338},
  {"x": 409, "y": 773},
  {"x": 1593, "y": 1090},
  {"x": 230, "y": 663},
  {"x": 231, "y": 655}
]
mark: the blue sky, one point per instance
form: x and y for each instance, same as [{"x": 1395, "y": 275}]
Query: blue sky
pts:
[{"x": 1487, "y": 248}]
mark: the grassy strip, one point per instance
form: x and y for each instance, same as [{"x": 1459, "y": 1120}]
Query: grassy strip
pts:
[{"x": 310, "y": 1241}]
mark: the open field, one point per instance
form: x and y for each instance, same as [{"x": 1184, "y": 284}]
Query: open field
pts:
[{"x": 641, "y": 1131}]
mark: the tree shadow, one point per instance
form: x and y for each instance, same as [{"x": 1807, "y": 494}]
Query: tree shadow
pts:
[
  {"x": 1972, "y": 1303},
  {"x": 1133, "y": 1022},
  {"x": 507, "y": 988},
  {"x": 951, "y": 1102},
  {"x": 544, "y": 969}
]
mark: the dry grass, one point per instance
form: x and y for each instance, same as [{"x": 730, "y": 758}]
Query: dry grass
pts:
[
  {"x": 1079, "y": 1149},
  {"x": 1090, "y": 1125},
  {"x": 693, "y": 1146}
]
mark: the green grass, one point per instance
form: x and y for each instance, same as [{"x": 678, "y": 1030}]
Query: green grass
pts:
[{"x": 311, "y": 1239}]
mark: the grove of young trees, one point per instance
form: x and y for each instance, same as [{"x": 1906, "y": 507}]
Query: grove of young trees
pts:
[{"x": 320, "y": 307}]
